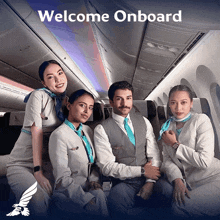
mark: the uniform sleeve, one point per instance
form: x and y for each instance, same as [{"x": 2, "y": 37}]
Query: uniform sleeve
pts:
[
  {"x": 169, "y": 167},
  {"x": 33, "y": 110},
  {"x": 201, "y": 156},
  {"x": 152, "y": 147},
  {"x": 64, "y": 183},
  {"x": 95, "y": 174},
  {"x": 152, "y": 150},
  {"x": 106, "y": 159}
]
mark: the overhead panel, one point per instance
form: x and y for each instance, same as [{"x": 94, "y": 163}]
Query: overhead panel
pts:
[
  {"x": 161, "y": 48},
  {"x": 15, "y": 74},
  {"x": 11, "y": 98},
  {"x": 26, "y": 43},
  {"x": 126, "y": 35},
  {"x": 115, "y": 59}
]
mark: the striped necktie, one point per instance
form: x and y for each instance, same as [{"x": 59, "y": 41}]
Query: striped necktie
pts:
[
  {"x": 79, "y": 133},
  {"x": 129, "y": 131}
]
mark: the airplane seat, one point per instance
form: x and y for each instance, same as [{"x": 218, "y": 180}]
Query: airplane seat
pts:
[
  {"x": 8, "y": 134},
  {"x": 161, "y": 112},
  {"x": 106, "y": 113},
  {"x": 201, "y": 105},
  {"x": 153, "y": 117},
  {"x": 12, "y": 123},
  {"x": 148, "y": 110},
  {"x": 97, "y": 116},
  {"x": 141, "y": 107}
]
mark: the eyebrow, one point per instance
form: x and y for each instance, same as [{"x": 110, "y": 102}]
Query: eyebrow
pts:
[
  {"x": 52, "y": 73},
  {"x": 84, "y": 103},
  {"x": 180, "y": 100},
  {"x": 121, "y": 96}
]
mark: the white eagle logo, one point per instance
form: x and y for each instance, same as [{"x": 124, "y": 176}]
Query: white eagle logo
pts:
[{"x": 25, "y": 198}]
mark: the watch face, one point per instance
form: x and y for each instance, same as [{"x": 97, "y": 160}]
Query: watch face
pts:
[{"x": 176, "y": 145}]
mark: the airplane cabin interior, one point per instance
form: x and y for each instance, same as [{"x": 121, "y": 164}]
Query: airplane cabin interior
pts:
[{"x": 152, "y": 56}]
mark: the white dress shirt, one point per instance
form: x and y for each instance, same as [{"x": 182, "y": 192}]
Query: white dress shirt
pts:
[{"x": 106, "y": 159}]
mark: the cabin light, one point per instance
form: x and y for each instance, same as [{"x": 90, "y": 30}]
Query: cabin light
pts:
[
  {"x": 2, "y": 114},
  {"x": 162, "y": 47},
  {"x": 151, "y": 44},
  {"x": 157, "y": 71},
  {"x": 143, "y": 68},
  {"x": 173, "y": 49},
  {"x": 150, "y": 70}
]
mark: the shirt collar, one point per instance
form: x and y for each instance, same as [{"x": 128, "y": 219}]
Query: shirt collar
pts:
[
  {"x": 119, "y": 119},
  {"x": 68, "y": 123}
]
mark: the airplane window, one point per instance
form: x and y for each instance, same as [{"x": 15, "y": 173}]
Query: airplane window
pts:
[
  {"x": 185, "y": 82},
  {"x": 215, "y": 94}
]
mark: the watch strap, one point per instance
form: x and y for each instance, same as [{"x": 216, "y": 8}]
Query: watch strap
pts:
[
  {"x": 175, "y": 145},
  {"x": 37, "y": 168}
]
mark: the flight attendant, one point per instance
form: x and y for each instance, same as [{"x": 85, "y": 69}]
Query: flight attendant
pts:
[
  {"x": 77, "y": 191},
  {"x": 29, "y": 160},
  {"x": 192, "y": 170}
]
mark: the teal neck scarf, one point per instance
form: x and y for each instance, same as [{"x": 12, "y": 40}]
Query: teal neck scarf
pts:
[
  {"x": 166, "y": 125},
  {"x": 79, "y": 133}
]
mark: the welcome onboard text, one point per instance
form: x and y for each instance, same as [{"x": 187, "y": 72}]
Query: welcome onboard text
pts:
[{"x": 119, "y": 16}]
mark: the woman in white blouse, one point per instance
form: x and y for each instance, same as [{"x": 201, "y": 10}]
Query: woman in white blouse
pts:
[
  {"x": 29, "y": 160},
  {"x": 77, "y": 191},
  {"x": 188, "y": 158}
]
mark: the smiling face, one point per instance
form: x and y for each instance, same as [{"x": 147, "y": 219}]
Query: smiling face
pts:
[
  {"x": 80, "y": 110},
  {"x": 180, "y": 104},
  {"x": 122, "y": 102},
  {"x": 55, "y": 79}
]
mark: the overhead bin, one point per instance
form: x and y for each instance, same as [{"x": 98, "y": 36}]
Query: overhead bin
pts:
[
  {"x": 126, "y": 36},
  {"x": 26, "y": 43}
]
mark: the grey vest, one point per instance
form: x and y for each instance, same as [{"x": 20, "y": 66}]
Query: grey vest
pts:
[{"x": 122, "y": 148}]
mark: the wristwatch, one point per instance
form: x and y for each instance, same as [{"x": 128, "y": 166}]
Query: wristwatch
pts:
[
  {"x": 142, "y": 171},
  {"x": 175, "y": 145},
  {"x": 37, "y": 168}
]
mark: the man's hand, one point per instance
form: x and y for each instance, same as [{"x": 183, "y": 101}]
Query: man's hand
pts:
[
  {"x": 180, "y": 191},
  {"x": 146, "y": 190},
  {"x": 151, "y": 172}
]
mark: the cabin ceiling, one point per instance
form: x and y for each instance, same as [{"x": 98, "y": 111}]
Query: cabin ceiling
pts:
[{"x": 142, "y": 53}]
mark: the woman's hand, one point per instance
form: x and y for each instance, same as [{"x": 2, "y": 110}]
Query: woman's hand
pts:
[
  {"x": 94, "y": 185},
  {"x": 180, "y": 191},
  {"x": 43, "y": 181},
  {"x": 169, "y": 137}
]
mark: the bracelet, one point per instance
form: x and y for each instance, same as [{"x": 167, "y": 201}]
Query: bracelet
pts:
[
  {"x": 175, "y": 145},
  {"x": 37, "y": 168}
]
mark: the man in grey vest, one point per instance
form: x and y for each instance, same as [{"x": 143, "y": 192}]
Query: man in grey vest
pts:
[{"x": 124, "y": 143}]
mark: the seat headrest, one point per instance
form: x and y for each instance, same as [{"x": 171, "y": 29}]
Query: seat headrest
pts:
[
  {"x": 141, "y": 106},
  {"x": 197, "y": 105},
  {"x": 201, "y": 105},
  {"x": 152, "y": 111},
  {"x": 161, "y": 112},
  {"x": 97, "y": 112},
  {"x": 16, "y": 118}
]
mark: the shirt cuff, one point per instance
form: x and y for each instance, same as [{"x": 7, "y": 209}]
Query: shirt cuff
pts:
[{"x": 150, "y": 181}]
